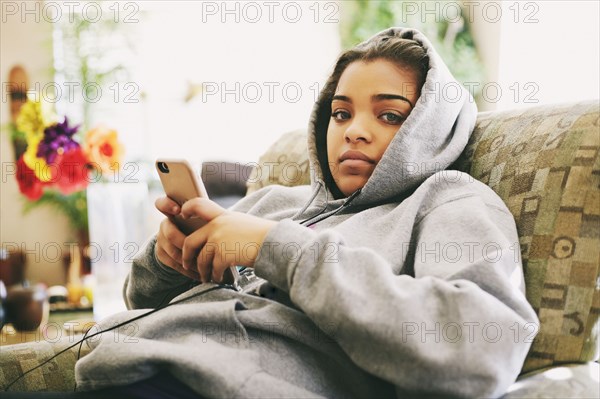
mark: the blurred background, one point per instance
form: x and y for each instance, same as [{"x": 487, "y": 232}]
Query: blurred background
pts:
[{"x": 221, "y": 81}]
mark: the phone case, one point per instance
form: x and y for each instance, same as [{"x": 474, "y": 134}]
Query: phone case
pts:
[{"x": 181, "y": 184}]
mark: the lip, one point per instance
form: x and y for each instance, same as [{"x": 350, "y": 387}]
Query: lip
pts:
[{"x": 356, "y": 155}]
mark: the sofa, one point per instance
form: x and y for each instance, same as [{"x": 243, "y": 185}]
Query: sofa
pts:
[{"x": 544, "y": 163}]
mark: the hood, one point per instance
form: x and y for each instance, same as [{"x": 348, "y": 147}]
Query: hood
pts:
[{"x": 430, "y": 139}]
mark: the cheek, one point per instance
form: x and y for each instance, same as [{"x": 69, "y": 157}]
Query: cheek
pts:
[{"x": 332, "y": 141}]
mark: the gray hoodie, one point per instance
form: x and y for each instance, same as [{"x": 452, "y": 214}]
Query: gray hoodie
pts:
[{"x": 412, "y": 285}]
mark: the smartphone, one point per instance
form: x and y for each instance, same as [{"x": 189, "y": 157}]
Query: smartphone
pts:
[{"x": 181, "y": 184}]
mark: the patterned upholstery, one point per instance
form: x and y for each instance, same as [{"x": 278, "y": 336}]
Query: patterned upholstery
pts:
[
  {"x": 543, "y": 162},
  {"x": 56, "y": 375}
]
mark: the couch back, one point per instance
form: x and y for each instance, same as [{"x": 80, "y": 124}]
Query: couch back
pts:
[{"x": 544, "y": 163}]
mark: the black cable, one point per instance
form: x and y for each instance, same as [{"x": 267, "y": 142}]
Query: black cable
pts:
[
  {"x": 78, "y": 355},
  {"x": 80, "y": 342}
]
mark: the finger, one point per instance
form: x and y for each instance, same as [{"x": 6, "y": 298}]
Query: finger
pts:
[
  {"x": 167, "y": 206},
  {"x": 204, "y": 263},
  {"x": 172, "y": 233},
  {"x": 162, "y": 256},
  {"x": 192, "y": 246},
  {"x": 218, "y": 271},
  {"x": 170, "y": 249},
  {"x": 166, "y": 247},
  {"x": 201, "y": 208},
  {"x": 171, "y": 263},
  {"x": 165, "y": 259},
  {"x": 219, "y": 265},
  {"x": 189, "y": 273}
]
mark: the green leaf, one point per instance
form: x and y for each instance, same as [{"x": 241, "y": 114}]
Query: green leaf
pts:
[
  {"x": 73, "y": 206},
  {"x": 362, "y": 19}
]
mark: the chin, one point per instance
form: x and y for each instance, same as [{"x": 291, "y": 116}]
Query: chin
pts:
[{"x": 349, "y": 185}]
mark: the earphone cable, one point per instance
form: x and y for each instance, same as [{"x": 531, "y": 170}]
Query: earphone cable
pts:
[{"x": 80, "y": 342}]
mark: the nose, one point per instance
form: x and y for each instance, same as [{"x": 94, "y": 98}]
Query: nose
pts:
[{"x": 357, "y": 131}]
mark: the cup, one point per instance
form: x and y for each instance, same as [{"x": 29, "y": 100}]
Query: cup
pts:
[{"x": 25, "y": 307}]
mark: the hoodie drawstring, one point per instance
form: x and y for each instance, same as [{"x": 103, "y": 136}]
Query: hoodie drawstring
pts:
[
  {"x": 331, "y": 213},
  {"x": 320, "y": 184}
]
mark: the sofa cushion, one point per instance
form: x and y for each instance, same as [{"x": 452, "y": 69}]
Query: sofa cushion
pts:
[
  {"x": 284, "y": 163},
  {"x": 543, "y": 162},
  {"x": 56, "y": 375}
]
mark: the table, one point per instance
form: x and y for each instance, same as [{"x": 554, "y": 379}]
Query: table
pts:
[{"x": 52, "y": 330}]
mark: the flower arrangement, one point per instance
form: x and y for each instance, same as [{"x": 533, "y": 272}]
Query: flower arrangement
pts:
[{"x": 59, "y": 161}]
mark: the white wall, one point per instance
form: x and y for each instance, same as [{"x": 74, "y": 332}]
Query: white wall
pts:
[
  {"x": 538, "y": 52},
  {"x": 486, "y": 34},
  {"x": 182, "y": 42},
  {"x": 41, "y": 232},
  {"x": 559, "y": 55}
]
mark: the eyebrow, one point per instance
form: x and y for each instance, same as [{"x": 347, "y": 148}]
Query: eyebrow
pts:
[{"x": 376, "y": 97}]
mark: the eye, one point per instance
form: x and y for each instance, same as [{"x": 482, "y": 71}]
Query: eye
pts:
[
  {"x": 392, "y": 118},
  {"x": 340, "y": 115}
]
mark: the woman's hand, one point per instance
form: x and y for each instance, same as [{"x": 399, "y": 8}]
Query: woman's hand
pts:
[
  {"x": 169, "y": 241},
  {"x": 228, "y": 239}
]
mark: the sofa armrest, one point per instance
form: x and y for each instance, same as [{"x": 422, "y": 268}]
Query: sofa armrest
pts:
[{"x": 56, "y": 375}]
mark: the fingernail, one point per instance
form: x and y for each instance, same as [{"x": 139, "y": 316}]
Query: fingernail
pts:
[
  {"x": 175, "y": 209},
  {"x": 184, "y": 266}
]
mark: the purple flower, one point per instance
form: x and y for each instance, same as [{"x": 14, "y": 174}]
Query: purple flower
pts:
[{"x": 57, "y": 140}]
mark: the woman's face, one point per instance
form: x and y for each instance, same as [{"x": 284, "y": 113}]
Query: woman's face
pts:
[{"x": 371, "y": 101}]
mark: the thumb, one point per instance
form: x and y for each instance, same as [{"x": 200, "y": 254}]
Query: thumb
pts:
[{"x": 201, "y": 208}]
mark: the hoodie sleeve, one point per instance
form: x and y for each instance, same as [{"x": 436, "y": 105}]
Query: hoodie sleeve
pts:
[
  {"x": 460, "y": 326},
  {"x": 151, "y": 284}
]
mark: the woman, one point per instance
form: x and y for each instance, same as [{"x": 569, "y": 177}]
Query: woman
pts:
[{"x": 387, "y": 276}]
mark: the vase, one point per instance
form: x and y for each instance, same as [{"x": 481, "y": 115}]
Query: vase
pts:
[{"x": 118, "y": 224}]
